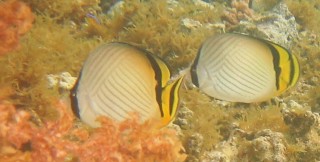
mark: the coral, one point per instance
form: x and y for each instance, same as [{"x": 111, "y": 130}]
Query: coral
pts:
[
  {"x": 305, "y": 133},
  {"x": 59, "y": 140},
  {"x": 271, "y": 145},
  {"x": 15, "y": 132},
  {"x": 183, "y": 117},
  {"x": 300, "y": 121},
  {"x": 239, "y": 11},
  {"x": 13, "y": 125},
  {"x": 214, "y": 156},
  {"x": 268, "y": 145},
  {"x": 131, "y": 141},
  {"x": 15, "y": 20},
  {"x": 216, "y": 122},
  {"x": 194, "y": 145},
  {"x": 264, "y": 145}
]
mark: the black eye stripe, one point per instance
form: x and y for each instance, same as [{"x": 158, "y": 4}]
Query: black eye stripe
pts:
[
  {"x": 193, "y": 70},
  {"x": 74, "y": 99}
]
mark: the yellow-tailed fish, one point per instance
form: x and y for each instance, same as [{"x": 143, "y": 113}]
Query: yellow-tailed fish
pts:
[
  {"x": 118, "y": 78},
  {"x": 241, "y": 68}
]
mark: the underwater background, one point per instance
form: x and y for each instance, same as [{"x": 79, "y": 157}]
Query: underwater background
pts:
[{"x": 43, "y": 45}]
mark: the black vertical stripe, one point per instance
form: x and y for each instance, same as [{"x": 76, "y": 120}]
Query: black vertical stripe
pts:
[
  {"x": 158, "y": 78},
  {"x": 74, "y": 99},
  {"x": 193, "y": 70},
  {"x": 276, "y": 58},
  {"x": 158, "y": 75},
  {"x": 292, "y": 69},
  {"x": 276, "y": 62},
  {"x": 174, "y": 96}
]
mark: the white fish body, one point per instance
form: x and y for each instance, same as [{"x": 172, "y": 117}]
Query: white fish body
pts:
[
  {"x": 118, "y": 79},
  {"x": 239, "y": 68},
  {"x": 117, "y": 84}
]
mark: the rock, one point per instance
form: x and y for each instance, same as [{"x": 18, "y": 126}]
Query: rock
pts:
[
  {"x": 176, "y": 128},
  {"x": 183, "y": 117},
  {"x": 115, "y": 8},
  {"x": 214, "y": 156},
  {"x": 264, "y": 145},
  {"x": 202, "y": 4},
  {"x": 300, "y": 122},
  {"x": 63, "y": 81},
  {"x": 263, "y": 5},
  {"x": 294, "y": 104},
  {"x": 190, "y": 24},
  {"x": 279, "y": 25},
  {"x": 194, "y": 144},
  {"x": 269, "y": 146}
]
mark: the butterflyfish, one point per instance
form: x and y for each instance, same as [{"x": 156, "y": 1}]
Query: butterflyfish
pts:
[
  {"x": 117, "y": 79},
  {"x": 241, "y": 68}
]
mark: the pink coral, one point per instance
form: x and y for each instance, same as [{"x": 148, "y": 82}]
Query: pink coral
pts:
[
  {"x": 15, "y": 20},
  {"x": 240, "y": 11},
  {"x": 126, "y": 141},
  {"x": 13, "y": 125},
  {"x": 131, "y": 141},
  {"x": 14, "y": 132}
]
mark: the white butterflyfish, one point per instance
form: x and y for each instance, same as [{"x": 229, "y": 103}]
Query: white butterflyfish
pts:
[
  {"x": 118, "y": 79},
  {"x": 241, "y": 68}
]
